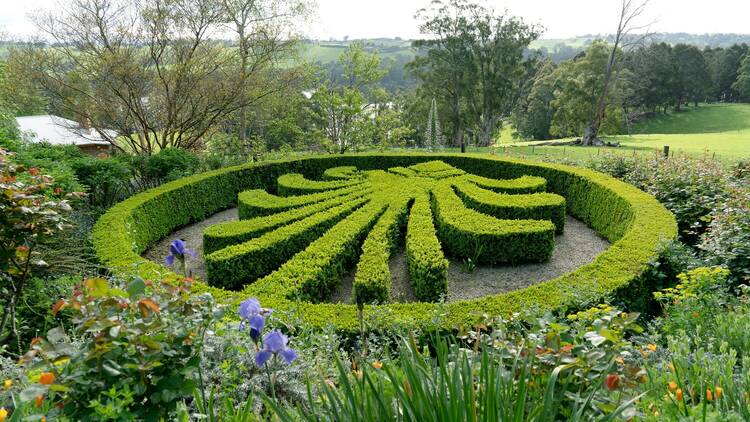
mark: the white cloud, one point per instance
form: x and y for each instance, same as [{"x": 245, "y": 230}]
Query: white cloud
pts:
[{"x": 390, "y": 18}]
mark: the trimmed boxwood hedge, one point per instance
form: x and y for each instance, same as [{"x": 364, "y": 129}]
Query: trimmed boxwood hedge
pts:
[
  {"x": 230, "y": 233},
  {"x": 466, "y": 233},
  {"x": 236, "y": 265},
  {"x": 521, "y": 185},
  {"x": 372, "y": 280},
  {"x": 632, "y": 220},
  {"x": 296, "y": 184},
  {"x": 258, "y": 202},
  {"x": 535, "y": 206},
  {"x": 428, "y": 268},
  {"x": 341, "y": 173}
]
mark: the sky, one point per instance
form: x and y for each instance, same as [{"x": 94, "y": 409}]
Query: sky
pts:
[{"x": 395, "y": 18}]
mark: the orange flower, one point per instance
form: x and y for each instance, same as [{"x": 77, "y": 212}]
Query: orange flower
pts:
[
  {"x": 38, "y": 400},
  {"x": 696, "y": 314},
  {"x": 709, "y": 395},
  {"x": 377, "y": 364},
  {"x": 678, "y": 394},
  {"x": 719, "y": 392},
  {"x": 47, "y": 378},
  {"x": 612, "y": 381},
  {"x": 672, "y": 385},
  {"x": 651, "y": 347}
]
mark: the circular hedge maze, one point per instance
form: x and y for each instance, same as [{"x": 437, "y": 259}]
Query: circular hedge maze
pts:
[{"x": 305, "y": 223}]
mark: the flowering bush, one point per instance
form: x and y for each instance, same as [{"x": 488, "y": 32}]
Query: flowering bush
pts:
[
  {"x": 727, "y": 241},
  {"x": 139, "y": 354},
  {"x": 31, "y": 212},
  {"x": 690, "y": 188}
]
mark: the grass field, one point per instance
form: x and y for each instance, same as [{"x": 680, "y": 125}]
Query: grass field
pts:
[{"x": 716, "y": 130}]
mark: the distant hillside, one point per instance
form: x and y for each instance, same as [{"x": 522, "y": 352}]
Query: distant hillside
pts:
[{"x": 556, "y": 48}]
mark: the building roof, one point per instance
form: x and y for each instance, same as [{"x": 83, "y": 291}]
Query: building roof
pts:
[{"x": 58, "y": 131}]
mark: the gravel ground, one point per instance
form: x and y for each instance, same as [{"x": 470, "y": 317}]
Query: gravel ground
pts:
[
  {"x": 578, "y": 246},
  {"x": 193, "y": 237}
]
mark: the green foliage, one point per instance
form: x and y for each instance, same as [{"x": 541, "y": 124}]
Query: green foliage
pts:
[
  {"x": 521, "y": 185},
  {"x": 557, "y": 370},
  {"x": 235, "y": 265},
  {"x": 296, "y": 184},
  {"x": 536, "y": 206},
  {"x": 690, "y": 188},
  {"x": 107, "y": 180},
  {"x": 372, "y": 282},
  {"x": 470, "y": 234},
  {"x": 727, "y": 240},
  {"x": 258, "y": 202},
  {"x": 32, "y": 212},
  {"x": 428, "y": 268},
  {"x": 634, "y": 222},
  {"x": 140, "y": 355},
  {"x": 222, "y": 235}
]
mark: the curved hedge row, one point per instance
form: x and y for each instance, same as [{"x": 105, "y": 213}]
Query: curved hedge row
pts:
[
  {"x": 340, "y": 173},
  {"x": 296, "y": 184},
  {"x": 258, "y": 202},
  {"x": 521, "y": 185},
  {"x": 470, "y": 234},
  {"x": 632, "y": 220},
  {"x": 534, "y": 206}
]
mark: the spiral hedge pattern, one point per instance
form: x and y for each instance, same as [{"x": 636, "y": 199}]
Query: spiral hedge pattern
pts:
[{"x": 305, "y": 222}]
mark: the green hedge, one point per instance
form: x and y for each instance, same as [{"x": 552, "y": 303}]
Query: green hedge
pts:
[
  {"x": 632, "y": 220},
  {"x": 521, "y": 185},
  {"x": 341, "y": 173},
  {"x": 428, "y": 268},
  {"x": 230, "y": 233},
  {"x": 236, "y": 265},
  {"x": 372, "y": 280},
  {"x": 466, "y": 233},
  {"x": 529, "y": 206},
  {"x": 296, "y": 184},
  {"x": 258, "y": 202},
  {"x": 402, "y": 171},
  {"x": 313, "y": 274}
]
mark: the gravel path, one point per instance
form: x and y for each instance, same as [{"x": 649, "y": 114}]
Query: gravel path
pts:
[
  {"x": 578, "y": 246},
  {"x": 193, "y": 237}
]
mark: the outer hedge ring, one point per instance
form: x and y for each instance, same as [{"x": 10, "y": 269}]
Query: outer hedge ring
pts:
[{"x": 632, "y": 220}]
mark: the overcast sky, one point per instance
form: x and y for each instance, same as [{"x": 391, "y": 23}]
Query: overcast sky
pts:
[{"x": 392, "y": 18}]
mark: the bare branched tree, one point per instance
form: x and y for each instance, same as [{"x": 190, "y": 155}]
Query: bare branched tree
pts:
[
  {"x": 630, "y": 12},
  {"x": 154, "y": 71}
]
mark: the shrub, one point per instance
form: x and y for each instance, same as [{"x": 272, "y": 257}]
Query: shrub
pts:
[
  {"x": 523, "y": 184},
  {"x": 727, "y": 240},
  {"x": 296, "y": 184},
  {"x": 634, "y": 222},
  {"x": 258, "y": 202},
  {"x": 141, "y": 349},
  {"x": 470, "y": 234},
  {"x": 372, "y": 280},
  {"x": 534, "y": 206},
  {"x": 428, "y": 268},
  {"x": 236, "y": 265},
  {"x": 107, "y": 180},
  {"x": 690, "y": 188}
]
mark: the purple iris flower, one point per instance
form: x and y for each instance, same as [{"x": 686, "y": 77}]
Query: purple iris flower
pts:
[
  {"x": 252, "y": 314},
  {"x": 249, "y": 308},
  {"x": 274, "y": 344},
  {"x": 178, "y": 250}
]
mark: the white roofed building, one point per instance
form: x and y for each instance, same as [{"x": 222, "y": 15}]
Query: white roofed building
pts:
[{"x": 60, "y": 131}]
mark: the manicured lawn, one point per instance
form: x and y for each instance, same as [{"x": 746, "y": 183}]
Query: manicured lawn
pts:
[{"x": 716, "y": 130}]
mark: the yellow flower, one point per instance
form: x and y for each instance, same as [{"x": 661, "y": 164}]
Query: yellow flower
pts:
[
  {"x": 7, "y": 384},
  {"x": 719, "y": 391},
  {"x": 3, "y": 414},
  {"x": 672, "y": 385},
  {"x": 377, "y": 364},
  {"x": 651, "y": 347},
  {"x": 709, "y": 394}
]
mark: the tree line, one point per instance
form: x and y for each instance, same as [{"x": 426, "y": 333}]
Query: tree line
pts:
[{"x": 227, "y": 75}]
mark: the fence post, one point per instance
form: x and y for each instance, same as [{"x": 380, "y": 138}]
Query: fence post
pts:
[{"x": 666, "y": 151}]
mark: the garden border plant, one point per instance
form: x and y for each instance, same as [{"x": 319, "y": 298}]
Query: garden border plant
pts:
[{"x": 632, "y": 220}]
